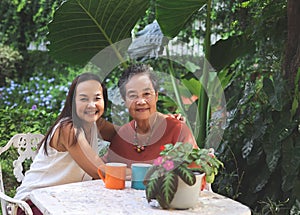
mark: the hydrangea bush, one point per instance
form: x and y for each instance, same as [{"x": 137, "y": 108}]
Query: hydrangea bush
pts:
[{"x": 39, "y": 92}]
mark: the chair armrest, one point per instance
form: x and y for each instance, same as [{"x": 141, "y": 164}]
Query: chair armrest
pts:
[{"x": 20, "y": 203}]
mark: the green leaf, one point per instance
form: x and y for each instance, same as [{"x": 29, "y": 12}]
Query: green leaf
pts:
[
  {"x": 186, "y": 175},
  {"x": 225, "y": 52},
  {"x": 296, "y": 207},
  {"x": 149, "y": 174},
  {"x": 169, "y": 187},
  {"x": 210, "y": 178},
  {"x": 288, "y": 182},
  {"x": 207, "y": 169},
  {"x": 290, "y": 162},
  {"x": 193, "y": 85},
  {"x": 296, "y": 99},
  {"x": 166, "y": 101},
  {"x": 272, "y": 151},
  {"x": 81, "y": 28},
  {"x": 190, "y": 66},
  {"x": 153, "y": 187},
  {"x": 226, "y": 78},
  {"x": 273, "y": 97},
  {"x": 261, "y": 179},
  {"x": 172, "y": 16}
]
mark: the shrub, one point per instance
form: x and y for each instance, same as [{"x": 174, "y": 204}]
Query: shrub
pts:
[
  {"x": 9, "y": 59},
  {"x": 261, "y": 147}
]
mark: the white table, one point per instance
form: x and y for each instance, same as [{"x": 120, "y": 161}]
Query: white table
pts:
[{"x": 91, "y": 197}]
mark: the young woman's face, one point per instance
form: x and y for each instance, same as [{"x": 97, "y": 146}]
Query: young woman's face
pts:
[
  {"x": 141, "y": 97},
  {"x": 89, "y": 101}
]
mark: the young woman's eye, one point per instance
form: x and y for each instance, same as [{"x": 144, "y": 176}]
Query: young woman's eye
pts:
[
  {"x": 98, "y": 98},
  {"x": 83, "y": 99}
]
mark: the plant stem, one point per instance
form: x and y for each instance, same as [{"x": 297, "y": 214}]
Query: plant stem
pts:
[
  {"x": 203, "y": 100},
  {"x": 176, "y": 90}
]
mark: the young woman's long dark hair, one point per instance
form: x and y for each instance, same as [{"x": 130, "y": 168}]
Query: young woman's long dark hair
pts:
[{"x": 68, "y": 114}]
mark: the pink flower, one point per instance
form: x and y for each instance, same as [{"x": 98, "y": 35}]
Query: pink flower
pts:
[
  {"x": 168, "y": 165},
  {"x": 158, "y": 161}
]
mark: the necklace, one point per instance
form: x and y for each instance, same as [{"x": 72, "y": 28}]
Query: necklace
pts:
[{"x": 140, "y": 148}]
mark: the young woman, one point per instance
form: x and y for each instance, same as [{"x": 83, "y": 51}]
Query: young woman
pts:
[{"x": 69, "y": 150}]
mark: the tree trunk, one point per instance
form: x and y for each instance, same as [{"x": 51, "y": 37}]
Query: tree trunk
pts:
[{"x": 292, "y": 55}]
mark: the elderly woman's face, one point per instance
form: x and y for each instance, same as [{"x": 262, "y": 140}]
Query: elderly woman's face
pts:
[{"x": 141, "y": 97}]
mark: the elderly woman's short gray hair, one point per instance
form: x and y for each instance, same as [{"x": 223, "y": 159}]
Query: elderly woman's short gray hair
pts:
[{"x": 134, "y": 70}]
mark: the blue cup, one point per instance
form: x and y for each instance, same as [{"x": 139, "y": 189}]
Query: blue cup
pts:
[{"x": 138, "y": 172}]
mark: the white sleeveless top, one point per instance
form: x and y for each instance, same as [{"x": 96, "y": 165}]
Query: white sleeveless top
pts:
[{"x": 55, "y": 169}]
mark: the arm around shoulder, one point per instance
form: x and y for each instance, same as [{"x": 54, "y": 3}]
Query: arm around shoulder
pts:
[
  {"x": 81, "y": 151},
  {"x": 106, "y": 129}
]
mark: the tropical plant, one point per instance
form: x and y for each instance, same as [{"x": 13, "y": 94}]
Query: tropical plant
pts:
[
  {"x": 266, "y": 163},
  {"x": 161, "y": 179}
]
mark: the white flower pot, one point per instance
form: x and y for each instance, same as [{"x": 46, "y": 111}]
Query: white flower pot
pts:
[{"x": 187, "y": 196}]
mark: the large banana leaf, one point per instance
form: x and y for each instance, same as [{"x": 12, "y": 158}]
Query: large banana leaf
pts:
[
  {"x": 82, "y": 28},
  {"x": 225, "y": 52},
  {"x": 172, "y": 15}
]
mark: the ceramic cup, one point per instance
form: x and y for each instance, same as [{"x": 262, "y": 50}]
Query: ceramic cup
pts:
[
  {"x": 138, "y": 172},
  {"x": 115, "y": 174}
]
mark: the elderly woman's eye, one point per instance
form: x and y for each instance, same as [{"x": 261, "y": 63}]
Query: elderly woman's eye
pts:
[
  {"x": 132, "y": 96},
  {"x": 147, "y": 94}
]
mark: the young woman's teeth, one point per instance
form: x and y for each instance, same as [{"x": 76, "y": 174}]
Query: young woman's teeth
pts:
[{"x": 90, "y": 112}]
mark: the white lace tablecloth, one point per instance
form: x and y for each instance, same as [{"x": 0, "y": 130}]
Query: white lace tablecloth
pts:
[{"x": 92, "y": 197}]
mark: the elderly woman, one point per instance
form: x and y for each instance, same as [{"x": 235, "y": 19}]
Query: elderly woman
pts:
[{"x": 142, "y": 139}]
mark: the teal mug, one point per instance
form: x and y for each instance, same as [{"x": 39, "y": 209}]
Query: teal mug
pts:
[{"x": 138, "y": 172}]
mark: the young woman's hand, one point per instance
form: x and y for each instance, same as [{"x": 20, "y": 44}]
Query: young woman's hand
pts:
[{"x": 178, "y": 116}]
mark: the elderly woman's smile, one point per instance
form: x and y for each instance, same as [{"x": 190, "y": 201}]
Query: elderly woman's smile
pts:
[
  {"x": 140, "y": 97},
  {"x": 142, "y": 109}
]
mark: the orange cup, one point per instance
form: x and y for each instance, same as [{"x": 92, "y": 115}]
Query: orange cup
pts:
[{"x": 115, "y": 174}]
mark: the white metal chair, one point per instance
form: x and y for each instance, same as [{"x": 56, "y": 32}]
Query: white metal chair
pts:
[{"x": 26, "y": 145}]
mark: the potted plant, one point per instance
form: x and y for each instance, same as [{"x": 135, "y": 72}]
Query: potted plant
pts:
[{"x": 176, "y": 164}]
